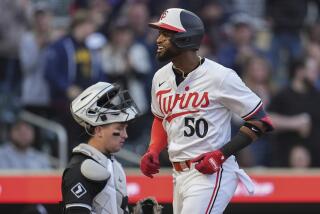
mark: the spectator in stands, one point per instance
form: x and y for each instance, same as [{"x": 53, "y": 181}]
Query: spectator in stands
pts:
[
  {"x": 127, "y": 62},
  {"x": 299, "y": 157},
  {"x": 214, "y": 17},
  {"x": 71, "y": 67},
  {"x": 257, "y": 76},
  {"x": 312, "y": 46},
  {"x": 241, "y": 47},
  {"x": 35, "y": 97},
  {"x": 138, "y": 19},
  {"x": 18, "y": 153},
  {"x": 295, "y": 114},
  {"x": 14, "y": 19},
  {"x": 254, "y": 8},
  {"x": 286, "y": 18}
]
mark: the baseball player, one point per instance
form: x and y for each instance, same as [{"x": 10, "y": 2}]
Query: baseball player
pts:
[
  {"x": 94, "y": 182},
  {"x": 193, "y": 99}
]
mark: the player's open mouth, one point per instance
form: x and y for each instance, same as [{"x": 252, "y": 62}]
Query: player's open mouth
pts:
[{"x": 160, "y": 49}]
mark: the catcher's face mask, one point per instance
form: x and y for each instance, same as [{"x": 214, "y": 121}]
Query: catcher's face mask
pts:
[{"x": 103, "y": 103}]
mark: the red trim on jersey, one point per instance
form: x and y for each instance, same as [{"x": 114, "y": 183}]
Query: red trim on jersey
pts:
[
  {"x": 215, "y": 191},
  {"x": 157, "y": 116},
  {"x": 159, "y": 25},
  {"x": 159, "y": 137},
  {"x": 248, "y": 116},
  {"x": 267, "y": 120},
  {"x": 172, "y": 116}
]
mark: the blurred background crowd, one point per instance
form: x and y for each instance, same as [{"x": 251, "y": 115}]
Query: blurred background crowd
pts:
[{"x": 50, "y": 50}]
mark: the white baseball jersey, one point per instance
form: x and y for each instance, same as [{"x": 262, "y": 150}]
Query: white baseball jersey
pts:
[
  {"x": 197, "y": 113},
  {"x": 197, "y": 118}
]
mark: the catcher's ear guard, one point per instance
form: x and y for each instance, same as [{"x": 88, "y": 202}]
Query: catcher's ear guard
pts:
[{"x": 147, "y": 205}]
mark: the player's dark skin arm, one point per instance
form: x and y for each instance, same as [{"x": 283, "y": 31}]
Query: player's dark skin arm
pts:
[{"x": 246, "y": 135}]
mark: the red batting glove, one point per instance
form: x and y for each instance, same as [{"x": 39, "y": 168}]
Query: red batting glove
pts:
[
  {"x": 210, "y": 162},
  {"x": 149, "y": 164}
]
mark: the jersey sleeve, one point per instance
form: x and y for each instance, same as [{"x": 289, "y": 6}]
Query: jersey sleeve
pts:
[
  {"x": 155, "y": 108},
  {"x": 237, "y": 97},
  {"x": 77, "y": 190}
]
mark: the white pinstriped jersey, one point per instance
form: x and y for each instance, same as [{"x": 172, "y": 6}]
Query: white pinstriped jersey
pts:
[{"x": 197, "y": 113}]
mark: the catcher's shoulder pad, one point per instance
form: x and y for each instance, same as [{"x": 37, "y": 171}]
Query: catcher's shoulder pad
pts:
[{"x": 94, "y": 171}]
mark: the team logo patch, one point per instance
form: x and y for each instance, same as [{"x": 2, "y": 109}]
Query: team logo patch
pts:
[
  {"x": 163, "y": 15},
  {"x": 78, "y": 190}
]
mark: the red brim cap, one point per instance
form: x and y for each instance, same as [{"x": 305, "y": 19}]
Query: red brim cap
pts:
[{"x": 159, "y": 25}]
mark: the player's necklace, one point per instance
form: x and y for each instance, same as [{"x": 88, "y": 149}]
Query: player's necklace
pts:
[{"x": 184, "y": 75}]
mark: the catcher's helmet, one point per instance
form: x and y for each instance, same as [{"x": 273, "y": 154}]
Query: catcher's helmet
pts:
[
  {"x": 103, "y": 103},
  {"x": 187, "y": 25}
]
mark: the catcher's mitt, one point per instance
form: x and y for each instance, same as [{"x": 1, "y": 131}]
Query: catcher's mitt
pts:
[{"x": 147, "y": 205}]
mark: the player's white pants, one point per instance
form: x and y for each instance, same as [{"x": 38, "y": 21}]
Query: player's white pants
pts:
[{"x": 197, "y": 193}]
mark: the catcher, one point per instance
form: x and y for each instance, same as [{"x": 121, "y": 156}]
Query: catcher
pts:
[{"x": 94, "y": 181}]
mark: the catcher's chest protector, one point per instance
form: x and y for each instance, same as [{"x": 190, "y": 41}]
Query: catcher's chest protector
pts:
[{"x": 113, "y": 198}]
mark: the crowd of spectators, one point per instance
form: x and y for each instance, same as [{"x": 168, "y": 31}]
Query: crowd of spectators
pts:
[{"x": 48, "y": 57}]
